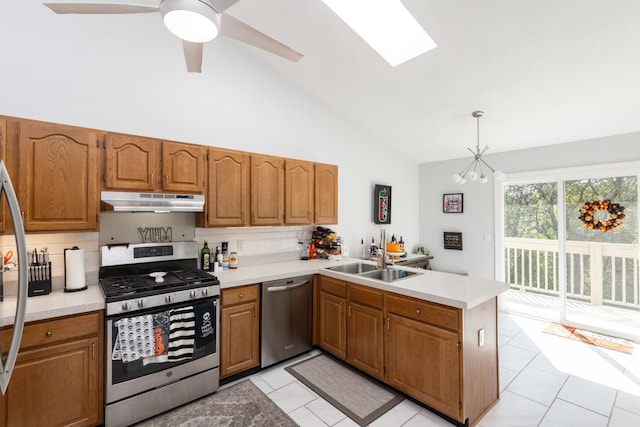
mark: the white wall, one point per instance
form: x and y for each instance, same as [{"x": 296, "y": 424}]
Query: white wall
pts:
[
  {"x": 477, "y": 257},
  {"x": 131, "y": 78}
]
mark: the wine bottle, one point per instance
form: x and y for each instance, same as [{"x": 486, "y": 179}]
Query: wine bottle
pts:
[{"x": 205, "y": 257}]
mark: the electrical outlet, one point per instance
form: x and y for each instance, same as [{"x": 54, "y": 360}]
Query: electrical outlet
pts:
[{"x": 480, "y": 337}]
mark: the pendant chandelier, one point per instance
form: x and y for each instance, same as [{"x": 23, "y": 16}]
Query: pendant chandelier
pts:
[{"x": 474, "y": 170}]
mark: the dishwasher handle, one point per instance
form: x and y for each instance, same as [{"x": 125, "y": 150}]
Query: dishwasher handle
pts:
[{"x": 287, "y": 286}]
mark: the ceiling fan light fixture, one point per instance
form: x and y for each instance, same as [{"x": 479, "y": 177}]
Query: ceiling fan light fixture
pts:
[{"x": 191, "y": 20}]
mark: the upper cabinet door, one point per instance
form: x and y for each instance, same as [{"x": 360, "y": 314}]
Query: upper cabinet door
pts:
[
  {"x": 182, "y": 167},
  {"x": 58, "y": 174},
  {"x": 3, "y": 156},
  {"x": 227, "y": 196},
  {"x": 131, "y": 162},
  {"x": 326, "y": 194},
  {"x": 267, "y": 190},
  {"x": 298, "y": 192}
]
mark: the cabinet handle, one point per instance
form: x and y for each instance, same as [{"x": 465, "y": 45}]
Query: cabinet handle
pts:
[
  {"x": 388, "y": 323},
  {"x": 340, "y": 306},
  {"x": 93, "y": 351},
  {"x": 241, "y": 296},
  {"x": 166, "y": 180},
  {"x": 417, "y": 311},
  {"x": 151, "y": 178},
  {"x": 349, "y": 311},
  {"x": 48, "y": 333}
]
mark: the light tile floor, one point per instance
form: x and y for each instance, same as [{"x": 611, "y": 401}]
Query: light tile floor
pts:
[{"x": 545, "y": 381}]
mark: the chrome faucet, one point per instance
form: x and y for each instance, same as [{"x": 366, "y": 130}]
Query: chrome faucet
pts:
[{"x": 383, "y": 262}]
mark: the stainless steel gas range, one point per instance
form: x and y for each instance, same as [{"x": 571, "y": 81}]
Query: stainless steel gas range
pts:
[{"x": 162, "y": 335}]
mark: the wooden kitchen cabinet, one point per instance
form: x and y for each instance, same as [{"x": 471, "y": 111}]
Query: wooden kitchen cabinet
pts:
[
  {"x": 239, "y": 329},
  {"x": 267, "y": 190},
  {"x": 423, "y": 353},
  {"x": 58, "y": 176},
  {"x": 365, "y": 330},
  {"x": 130, "y": 162},
  {"x": 227, "y": 193},
  {"x": 326, "y": 194},
  {"x": 58, "y": 376},
  {"x": 299, "y": 192},
  {"x": 182, "y": 167},
  {"x": 332, "y": 332},
  {"x": 3, "y": 156},
  {"x": 135, "y": 163}
]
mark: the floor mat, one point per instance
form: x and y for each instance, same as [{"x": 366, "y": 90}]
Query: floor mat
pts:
[
  {"x": 600, "y": 340},
  {"x": 241, "y": 404},
  {"x": 361, "y": 398}
]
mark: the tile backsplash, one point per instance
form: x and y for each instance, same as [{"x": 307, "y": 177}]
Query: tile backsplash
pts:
[{"x": 254, "y": 245}]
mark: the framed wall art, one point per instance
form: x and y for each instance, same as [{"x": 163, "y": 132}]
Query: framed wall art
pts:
[
  {"x": 452, "y": 203},
  {"x": 453, "y": 240},
  {"x": 382, "y": 204}
]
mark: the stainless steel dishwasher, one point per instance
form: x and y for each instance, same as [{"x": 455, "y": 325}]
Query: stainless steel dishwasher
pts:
[{"x": 286, "y": 318}]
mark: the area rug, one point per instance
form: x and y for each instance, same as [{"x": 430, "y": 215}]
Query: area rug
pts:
[
  {"x": 359, "y": 397},
  {"x": 240, "y": 405},
  {"x": 612, "y": 343}
]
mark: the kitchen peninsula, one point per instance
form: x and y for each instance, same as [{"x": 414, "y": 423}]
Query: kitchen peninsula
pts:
[{"x": 437, "y": 336}]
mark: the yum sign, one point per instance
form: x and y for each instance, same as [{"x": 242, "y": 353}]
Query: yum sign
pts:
[{"x": 382, "y": 204}]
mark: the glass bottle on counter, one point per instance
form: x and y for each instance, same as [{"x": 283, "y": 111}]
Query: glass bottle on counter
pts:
[
  {"x": 225, "y": 255},
  {"x": 205, "y": 257},
  {"x": 217, "y": 259}
]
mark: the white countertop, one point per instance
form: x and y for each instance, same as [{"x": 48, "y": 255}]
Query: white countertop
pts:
[{"x": 449, "y": 289}]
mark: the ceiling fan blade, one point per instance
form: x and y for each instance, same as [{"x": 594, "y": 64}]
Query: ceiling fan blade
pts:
[
  {"x": 193, "y": 56},
  {"x": 99, "y": 8},
  {"x": 235, "y": 29},
  {"x": 222, "y": 5}
]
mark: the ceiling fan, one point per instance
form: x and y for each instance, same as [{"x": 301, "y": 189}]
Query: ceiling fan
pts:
[{"x": 193, "y": 21}]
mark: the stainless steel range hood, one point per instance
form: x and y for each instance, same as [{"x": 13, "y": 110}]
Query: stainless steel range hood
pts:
[{"x": 152, "y": 202}]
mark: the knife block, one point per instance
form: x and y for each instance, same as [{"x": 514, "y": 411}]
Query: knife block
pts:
[{"x": 39, "y": 280}]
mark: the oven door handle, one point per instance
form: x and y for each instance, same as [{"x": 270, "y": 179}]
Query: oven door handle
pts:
[{"x": 287, "y": 287}]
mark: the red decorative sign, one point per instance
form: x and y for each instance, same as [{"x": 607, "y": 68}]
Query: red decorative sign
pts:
[{"x": 382, "y": 204}]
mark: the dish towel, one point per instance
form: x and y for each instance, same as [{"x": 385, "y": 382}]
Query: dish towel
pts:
[
  {"x": 135, "y": 338},
  {"x": 182, "y": 332},
  {"x": 160, "y": 339},
  {"x": 205, "y": 323}
]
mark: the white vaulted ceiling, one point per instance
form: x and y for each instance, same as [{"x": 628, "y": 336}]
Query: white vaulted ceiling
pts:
[{"x": 544, "y": 71}]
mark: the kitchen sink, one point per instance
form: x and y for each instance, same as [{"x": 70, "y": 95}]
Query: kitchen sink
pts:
[
  {"x": 356, "y": 268},
  {"x": 388, "y": 275},
  {"x": 371, "y": 272}
]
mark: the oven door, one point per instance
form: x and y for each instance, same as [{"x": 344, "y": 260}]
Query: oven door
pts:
[{"x": 125, "y": 379}]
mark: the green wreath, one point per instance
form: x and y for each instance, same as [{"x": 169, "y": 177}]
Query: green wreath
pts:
[{"x": 616, "y": 215}]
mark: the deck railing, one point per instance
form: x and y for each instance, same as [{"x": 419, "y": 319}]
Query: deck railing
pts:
[{"x": 598, "y": 273}]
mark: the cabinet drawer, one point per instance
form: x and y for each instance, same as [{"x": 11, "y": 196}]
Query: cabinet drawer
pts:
[
  {"x": 333, "y": 286},
  {"x": 424, "y": 311},
  {"x": 366, "y": 296},
  {"x": 239, "y": 295},
  {"x": 56, "y": 330}
]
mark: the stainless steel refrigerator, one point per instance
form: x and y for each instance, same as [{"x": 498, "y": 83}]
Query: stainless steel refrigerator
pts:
[{"x": 7, "y": 364}]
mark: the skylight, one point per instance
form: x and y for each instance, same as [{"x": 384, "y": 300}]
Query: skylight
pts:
[{"x": 386, "y": 25}]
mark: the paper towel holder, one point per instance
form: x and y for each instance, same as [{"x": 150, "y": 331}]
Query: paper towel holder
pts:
[{"x": 75, "y": 248}]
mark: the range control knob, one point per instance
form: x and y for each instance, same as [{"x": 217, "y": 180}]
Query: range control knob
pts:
[
  {"x": 193, "y": 293},
  {"x": 169, "y": 298},
  {"x": 205, "y": 292},
  {"x": 126, "y": 306},
  {"x": 142, "y": 303}
]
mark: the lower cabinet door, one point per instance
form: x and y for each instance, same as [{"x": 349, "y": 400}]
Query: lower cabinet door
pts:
[
  {"x": 424, "y": 362},
  {"x": 333, "y": 326},
  {"x": 365, "y": 348},
  {"x": 55, "y": 386},
  {"x": 239, "y": 346}
]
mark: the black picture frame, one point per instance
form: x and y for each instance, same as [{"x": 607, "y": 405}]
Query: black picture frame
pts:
[
  {"x": 453, "y": 240},
  {"x": 452, "y": 203},
  {"x": 382, "y": 204}
]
